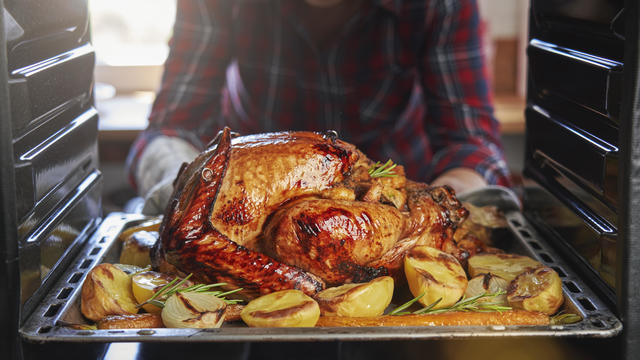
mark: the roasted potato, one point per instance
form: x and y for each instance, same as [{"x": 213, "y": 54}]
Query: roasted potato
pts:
[
  {"x": 436, "y": 274},
  {"x": 136, "y": 248},
  {"x": 355, "y": 300},
  {"x": 137, "y": 321},
  {"x": 145, "y": 284},
  {"x": 488, "y": 284},
  {"x": 286, "y": 308},
  {"x": 193, "y": 310},
  {"x": 107, "y": 291},
  {"x": 507, "y": 266},
  {"x": 536, "y": 290}
]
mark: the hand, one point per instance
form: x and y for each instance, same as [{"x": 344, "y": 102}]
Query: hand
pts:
[
  {"x": 158, "y": 197},
  {"x": 461, "y": 180},
  {"x": 157, "y": 169}
]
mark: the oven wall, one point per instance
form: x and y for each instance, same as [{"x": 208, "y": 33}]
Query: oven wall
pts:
[
  {"x": 54, "y": 124},
  {"x": 576, "y": 64}
]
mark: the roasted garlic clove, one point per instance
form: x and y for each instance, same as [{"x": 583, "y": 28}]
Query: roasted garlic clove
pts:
[
  {"x": 436, "y": 274},
  {"x": 488, "y": 284},
  {"x": 536, "y": 290},
  {"x": 193, "y": 310},
  {"x": 357, "y": 300}
]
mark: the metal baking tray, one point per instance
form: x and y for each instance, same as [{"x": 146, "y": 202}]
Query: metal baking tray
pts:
[{"x": 62, "y": 304}]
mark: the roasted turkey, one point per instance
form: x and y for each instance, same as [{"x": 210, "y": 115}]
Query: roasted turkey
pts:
[{"x": 297, "y": 210}]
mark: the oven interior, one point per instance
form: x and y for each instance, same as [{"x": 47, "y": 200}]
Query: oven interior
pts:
[{"x": 577, "y": 197}]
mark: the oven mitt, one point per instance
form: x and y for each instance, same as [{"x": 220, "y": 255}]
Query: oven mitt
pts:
[{"x": 157, "y": 169}]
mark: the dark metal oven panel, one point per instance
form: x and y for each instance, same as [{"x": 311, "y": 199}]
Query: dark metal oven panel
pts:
[
  {"x": 596, "y": 27},
  {"x": 43, "y": 29},
  {"x": 587, "y": 159},
  {"x": 587, "y": 80},
  {"x": 574, "y": 110},
  {"x": 49, "y": 166},
  {"x": 51, "y": 86},
  {"x": 54, "y": 128},
  {"x": 53, "y": 242}
]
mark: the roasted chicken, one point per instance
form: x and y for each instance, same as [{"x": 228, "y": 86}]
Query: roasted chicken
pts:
[{"x": 297, "y": 210}]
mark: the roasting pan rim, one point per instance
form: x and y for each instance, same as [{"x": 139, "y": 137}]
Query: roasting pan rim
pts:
[{"x": 43, "y": 324}]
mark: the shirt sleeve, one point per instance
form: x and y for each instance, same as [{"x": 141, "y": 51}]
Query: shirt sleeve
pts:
[
  {"x": 459, "y": 120},
  {"x": 187, "y": 104}
]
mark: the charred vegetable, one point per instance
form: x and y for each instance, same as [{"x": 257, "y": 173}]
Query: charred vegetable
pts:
[
  {"x": 507, "y": 266},
  {"x": 436, "y": 274},
  {"x": 365, "y": 299},
  {"x": 286, "y": 308},
  {"x": 107, "y": 291},
  {"x": 536, "y": 290}
]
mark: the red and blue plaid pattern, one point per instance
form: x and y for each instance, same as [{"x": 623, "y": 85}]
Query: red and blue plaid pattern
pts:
[{"x": 405, "y": 80}]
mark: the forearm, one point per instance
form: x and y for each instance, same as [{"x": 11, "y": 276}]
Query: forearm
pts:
[{"x": 460, "y": 123}]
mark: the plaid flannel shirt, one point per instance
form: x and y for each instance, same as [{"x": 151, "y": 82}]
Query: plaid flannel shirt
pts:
[{"x": 405, "y": 80}]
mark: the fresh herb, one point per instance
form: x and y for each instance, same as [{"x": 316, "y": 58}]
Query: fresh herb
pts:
[
  {"x": 426, "y": 310},
  {"x": 383, "y": 170},
  {"x": 565, "y": 319},
  {"x": 398, "y": 310},
  {"x": 174, "y": 286},
  {"x": 468, "y": 304}
]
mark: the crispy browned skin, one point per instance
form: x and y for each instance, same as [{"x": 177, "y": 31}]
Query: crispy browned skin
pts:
[
  {"x": 512, "y": 317},
  {"x": 335, "y": 239},
  {"x": 290, "y": 210},
  {"x": 232, "y": 313},
  {"x": 268, "y": 170},
  {"x": 137, "y": 321},
  {"x": 190, "y": 242}
]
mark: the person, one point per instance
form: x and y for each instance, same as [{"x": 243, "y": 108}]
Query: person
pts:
[{"x": 402, "y": 80}]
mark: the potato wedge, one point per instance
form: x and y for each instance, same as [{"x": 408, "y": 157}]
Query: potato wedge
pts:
[
  {"x": 137, "y": 321},
  {"x": 507, "y": 266},
  {"x": 286, "y": 308},
  {"x": 488, "y": 284},
  {"x": 355, "y": 300},
  {"x": 436, "y": 274},
  {"x": 107, "y": 291},
  {"x": 136, "y": 248},
  {"x": 145, "y": 284},
  {"x": 536, "y": 290}
]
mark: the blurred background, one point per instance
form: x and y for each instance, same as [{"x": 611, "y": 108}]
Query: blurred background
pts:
[{"x": 130, "y": 38}]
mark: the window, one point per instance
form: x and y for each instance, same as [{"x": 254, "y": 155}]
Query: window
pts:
[{"x": 130, "y": 40}]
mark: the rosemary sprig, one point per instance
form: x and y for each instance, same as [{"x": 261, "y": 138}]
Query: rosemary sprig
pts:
[
  {"x": 398, "y": 310},
  {"x": 565, "y": 319},
  {"x": 472, "y": 304},
  {"x": 426, "y": 310},
  {"x": 466, "y": 304},
  {"x": 174, "y": 286},
  {"x": 382, "y": 170}
]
